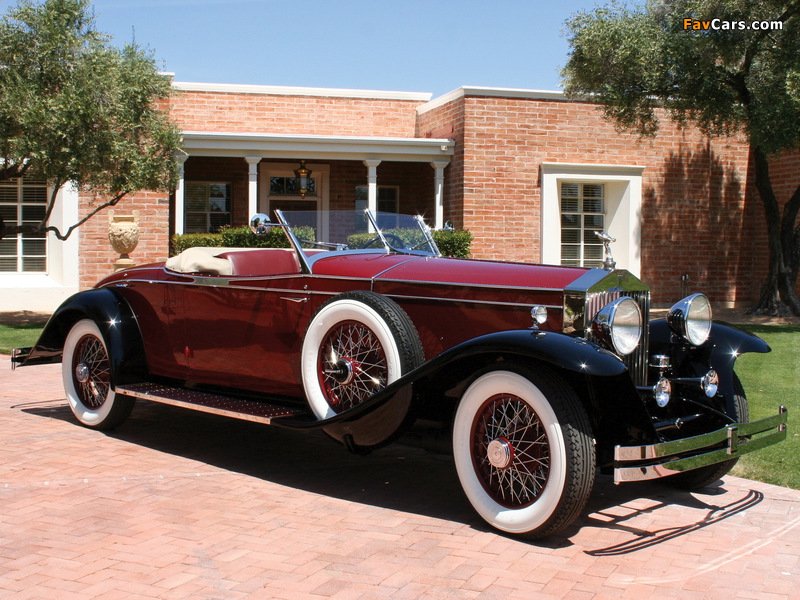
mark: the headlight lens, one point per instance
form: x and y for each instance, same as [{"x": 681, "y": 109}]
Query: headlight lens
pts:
[
  {"x": 620, "y": 324},
  {"x": 691, "y": 319}
]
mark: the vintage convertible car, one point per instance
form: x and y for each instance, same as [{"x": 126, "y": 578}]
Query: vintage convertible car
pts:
[{"x": 542, "y": 374}]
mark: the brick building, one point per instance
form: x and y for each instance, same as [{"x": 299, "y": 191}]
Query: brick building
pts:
[{"x": 529, "y": 173}]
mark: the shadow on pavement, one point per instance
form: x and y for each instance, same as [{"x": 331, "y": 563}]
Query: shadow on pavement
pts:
[{"x": 398, "y": 477}]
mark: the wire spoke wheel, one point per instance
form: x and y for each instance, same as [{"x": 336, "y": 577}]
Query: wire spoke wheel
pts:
[
  {"x": 510, "y": 451},
  {"x": 91, "y": 371},
  {"x": 357, "y": 344},
  {"x": 86, "y": 373},
  {"x": 352, "y": 365},
  {"x": 523, "y": 450}
]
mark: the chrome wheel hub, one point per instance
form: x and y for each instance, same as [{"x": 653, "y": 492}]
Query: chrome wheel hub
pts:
[
  {"x": 82, "y": 372},
  {"x": 342, "y": 372},
  {"x": 500, "y": 453}
]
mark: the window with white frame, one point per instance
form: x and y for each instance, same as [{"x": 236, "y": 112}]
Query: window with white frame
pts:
[
  {"x": 388, "y": 202},
  {"x": 570, "y": 214},
  {"x": 207, "y": 206},
  {"x": 23, "y": 201},
  {"x": 582, "y": 213}
]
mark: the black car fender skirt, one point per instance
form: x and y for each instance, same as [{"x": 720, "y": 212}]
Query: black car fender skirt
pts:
[{"x": 116, "y": 321}]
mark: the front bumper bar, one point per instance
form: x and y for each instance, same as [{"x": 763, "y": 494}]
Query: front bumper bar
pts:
[{"x": 640, "y": 463}]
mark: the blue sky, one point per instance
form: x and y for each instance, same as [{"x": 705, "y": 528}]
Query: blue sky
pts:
[{"x": 407, "y": 45}]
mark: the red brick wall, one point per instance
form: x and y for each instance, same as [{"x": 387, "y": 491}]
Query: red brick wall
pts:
[
  {"x": 97, "y": 257},
  {"x": 696, "y": 208},
  {"x": 259, "y": 113},
  {"x": 447, "y": 121}
]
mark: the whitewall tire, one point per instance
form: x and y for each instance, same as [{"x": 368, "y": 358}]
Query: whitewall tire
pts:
[
  {"x": 356, "y": 344},
  {"x": 524, "y": 452},
  {"x": 86, "y": 373}
]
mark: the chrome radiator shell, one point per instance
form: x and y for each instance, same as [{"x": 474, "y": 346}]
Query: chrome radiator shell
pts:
[{"x": 592, "y": 291}]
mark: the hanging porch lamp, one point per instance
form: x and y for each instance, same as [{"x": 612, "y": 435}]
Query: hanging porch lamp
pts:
[{"x": 303, "y": 176}]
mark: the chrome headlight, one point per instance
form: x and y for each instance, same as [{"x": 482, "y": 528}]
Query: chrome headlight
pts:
[
  {"x": 691, "y": 319},
  {"x": 620, "y": 324}
]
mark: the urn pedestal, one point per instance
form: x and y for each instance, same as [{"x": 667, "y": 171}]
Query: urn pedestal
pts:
[{"x": 123, "y": 234}]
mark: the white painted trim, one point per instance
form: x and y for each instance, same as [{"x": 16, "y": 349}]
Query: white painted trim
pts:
[
  {"x": 275, "y": 90},
  {"x": 316, "y": 147},
  {"x": 43, "y": 292},
  {"x": 489, "y": 92},
  {"x": 623, "y": 208}
]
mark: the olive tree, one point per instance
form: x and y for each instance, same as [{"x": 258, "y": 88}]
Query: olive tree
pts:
[
  {"x": 75, "y": 108},
  {"x": 729, "y": 67}
]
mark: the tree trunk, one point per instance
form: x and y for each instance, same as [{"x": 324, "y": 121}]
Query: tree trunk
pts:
[{"x": 778, "y": 294}]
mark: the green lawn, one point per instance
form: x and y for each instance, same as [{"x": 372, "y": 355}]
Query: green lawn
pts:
[
  {"x": 18, "y": 335},
  {"x": 769, "y": 380}
]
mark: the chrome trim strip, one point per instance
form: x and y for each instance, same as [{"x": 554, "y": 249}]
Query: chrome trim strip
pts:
[
  {"x": 336, "y": 278},
  {"x": 527, "y": 305},
  {"x": 661, "y": 460},
  {"x": 475, "y": 285}
]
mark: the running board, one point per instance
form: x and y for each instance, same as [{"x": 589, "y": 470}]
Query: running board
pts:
[{"x": 216, "y": 404}]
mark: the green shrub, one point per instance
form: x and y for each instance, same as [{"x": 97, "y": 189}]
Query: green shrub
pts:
[
  {"x": 451, "y": 243},
  {"x": 238, "y": 237},
  {"x": 454, "y": 243}
]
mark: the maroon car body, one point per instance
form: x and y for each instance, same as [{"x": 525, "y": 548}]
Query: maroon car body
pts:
[{"x": 542, "y": 374}]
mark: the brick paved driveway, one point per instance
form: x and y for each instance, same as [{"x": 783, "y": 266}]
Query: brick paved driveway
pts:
[{"x": 176, "y": 504}]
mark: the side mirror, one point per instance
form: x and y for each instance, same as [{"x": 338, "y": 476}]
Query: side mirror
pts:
[{"x": 260, "y": 224}]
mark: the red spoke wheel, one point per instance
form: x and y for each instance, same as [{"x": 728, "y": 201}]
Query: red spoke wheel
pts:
[
  {"x": 524, "y": 451},
  {"x": 356, "y": 344}
]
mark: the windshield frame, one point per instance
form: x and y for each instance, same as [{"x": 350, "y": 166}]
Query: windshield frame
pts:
[{"x": 388, "y": 242}]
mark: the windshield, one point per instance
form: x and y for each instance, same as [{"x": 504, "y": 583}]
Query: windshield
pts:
[{"x": 357, "y": 230}]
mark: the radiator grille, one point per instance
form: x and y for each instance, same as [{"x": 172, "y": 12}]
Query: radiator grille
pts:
[{"x": 581, "y": 306}]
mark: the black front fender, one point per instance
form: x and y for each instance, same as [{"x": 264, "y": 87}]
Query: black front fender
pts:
[
  {"x": 117, "y": 323},
  {"x": 457, "y": 365}
]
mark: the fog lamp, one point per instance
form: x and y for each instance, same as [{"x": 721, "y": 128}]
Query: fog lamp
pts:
[
  {"x": 662, "y": 392},
  {"x": 710, "y": 383}
]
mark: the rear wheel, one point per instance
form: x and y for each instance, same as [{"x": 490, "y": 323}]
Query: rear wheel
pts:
[
  {"x": 86, "y": 373},
  {"x": 524, "y": 451}
]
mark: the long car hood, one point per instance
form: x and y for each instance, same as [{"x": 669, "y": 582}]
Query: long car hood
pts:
[{"x": 394, "y": 267}]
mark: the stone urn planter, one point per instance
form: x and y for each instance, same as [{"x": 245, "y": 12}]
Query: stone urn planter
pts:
[{"x": 123, "y": 233}]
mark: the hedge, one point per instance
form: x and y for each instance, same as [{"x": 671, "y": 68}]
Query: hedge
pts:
[{"x": 451, "y": 243}]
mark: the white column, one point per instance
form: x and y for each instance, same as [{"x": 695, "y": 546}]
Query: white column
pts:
[
  {"x": 372, "y": 184},
  {"x": 252, "y": 185},
  {"x": 438, "y": 192},
  {"x": 180, "y": 191}
]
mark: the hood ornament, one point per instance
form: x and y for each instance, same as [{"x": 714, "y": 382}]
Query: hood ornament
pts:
[{"x": 608, "y": 264}]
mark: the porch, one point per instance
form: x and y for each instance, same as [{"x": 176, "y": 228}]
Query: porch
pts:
[{"x": 227, "y": 177}]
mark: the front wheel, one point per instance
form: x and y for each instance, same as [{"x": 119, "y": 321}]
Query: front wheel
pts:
[
  {"x": 524, "y": 451},
  {"x": 86, "y": 372}
]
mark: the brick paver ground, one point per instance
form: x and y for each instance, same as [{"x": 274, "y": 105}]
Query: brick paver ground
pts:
[{"x": 181, "y": 505}]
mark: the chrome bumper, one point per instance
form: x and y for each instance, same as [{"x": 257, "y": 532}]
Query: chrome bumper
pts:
[{"x": 640, "y": 463}]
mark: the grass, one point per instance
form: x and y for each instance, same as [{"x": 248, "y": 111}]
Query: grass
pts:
[
  {"x": 769, "y": 380},
  {"x": 18, "y": 335}
]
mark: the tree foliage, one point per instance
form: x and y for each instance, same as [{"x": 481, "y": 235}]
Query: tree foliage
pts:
[
  {"x": 75, "y": 108},
  {"x": 729, "y": 67}
]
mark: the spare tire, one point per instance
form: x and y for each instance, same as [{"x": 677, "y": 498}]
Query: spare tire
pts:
[{"x": 356, "y": 344}]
